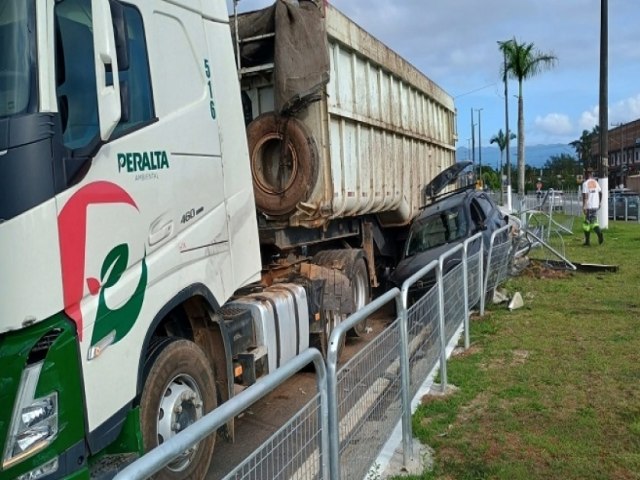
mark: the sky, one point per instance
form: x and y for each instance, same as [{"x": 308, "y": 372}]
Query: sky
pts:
[{"x": 454, "y": 42}]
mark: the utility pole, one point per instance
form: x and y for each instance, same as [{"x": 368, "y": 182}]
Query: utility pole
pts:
[
  {"x": 473, "y": 142},
  {"x": 480, "y": 146},
  {"x": 506, "y": 128},
  {"x": 603, "y": 217}
]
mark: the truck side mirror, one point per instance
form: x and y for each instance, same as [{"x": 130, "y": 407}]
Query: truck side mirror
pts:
[{"x": 106, "y": 66}]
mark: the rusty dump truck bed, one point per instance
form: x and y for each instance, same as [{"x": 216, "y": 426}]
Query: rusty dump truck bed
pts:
[{"x": 373, "y": 133}]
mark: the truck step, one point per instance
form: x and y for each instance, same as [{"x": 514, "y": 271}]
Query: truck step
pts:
[
  {"x": 253, "y": 364},
  {"x": 239, "y": 328}
]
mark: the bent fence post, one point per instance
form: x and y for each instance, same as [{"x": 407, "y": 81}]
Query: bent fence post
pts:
[{"x": 160, "y": 456}]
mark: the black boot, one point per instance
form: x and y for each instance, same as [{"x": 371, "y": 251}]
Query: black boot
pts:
[
  {"x": 599, "y": 234},
  {"x": 586, "y": 238}
]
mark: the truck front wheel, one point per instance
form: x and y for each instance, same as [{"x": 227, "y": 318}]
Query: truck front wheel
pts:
[{"x": 179, "y": 389}]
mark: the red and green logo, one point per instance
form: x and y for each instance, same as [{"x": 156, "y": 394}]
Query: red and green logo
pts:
[{"x": 72, "y": 225}]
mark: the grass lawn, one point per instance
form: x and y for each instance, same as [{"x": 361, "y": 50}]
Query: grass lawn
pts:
[{"x": 551, "y": 390}]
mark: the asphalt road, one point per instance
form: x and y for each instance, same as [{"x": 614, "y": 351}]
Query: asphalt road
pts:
[{"x": 256, "y": 424}]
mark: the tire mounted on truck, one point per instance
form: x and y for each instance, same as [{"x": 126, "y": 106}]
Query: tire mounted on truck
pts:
[
  {"x": 284, "y": 162},
  {"x": 179, "y": 389}
]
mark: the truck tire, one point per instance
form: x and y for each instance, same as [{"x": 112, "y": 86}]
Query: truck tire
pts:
[
  {"x": 321, "y": 340},
  {"x": 360, "y": 286},
  {"x": 353, "y": 265},
  {"x": 179, "y": 389},
  {"x": 284, "y": 162}
]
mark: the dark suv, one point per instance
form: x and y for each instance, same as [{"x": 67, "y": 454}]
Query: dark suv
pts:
[{"x": 447, "y": 221}]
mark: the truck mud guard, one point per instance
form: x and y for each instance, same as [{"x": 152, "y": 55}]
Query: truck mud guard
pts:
[{"x": 284, "y": 162}]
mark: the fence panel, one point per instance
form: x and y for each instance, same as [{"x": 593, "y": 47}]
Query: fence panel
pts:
[
  {"x": 293, "y": 452},
  {"x": 454, "y": 301},
  {"x": 498, "y": 258},
  {"x": 369, "y": 402},
  {"x": 424, "y": 346},
  {"x": 160, "y": 456}
]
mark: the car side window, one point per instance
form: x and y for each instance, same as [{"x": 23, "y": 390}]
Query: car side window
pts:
[
  {"x": 486, "y": 206},
  {"x": 478, "y": 216}
]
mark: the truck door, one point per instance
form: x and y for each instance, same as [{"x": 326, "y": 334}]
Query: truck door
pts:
[{"x": 142, "y": 204}]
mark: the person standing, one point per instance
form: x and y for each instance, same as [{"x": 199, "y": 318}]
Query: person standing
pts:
[{"x": 591, "y": 199}]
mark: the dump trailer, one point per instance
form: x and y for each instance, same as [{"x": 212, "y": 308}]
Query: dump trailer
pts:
[
  {"x": 343, "y": 134},
  {"x": 183, "y": 209}
]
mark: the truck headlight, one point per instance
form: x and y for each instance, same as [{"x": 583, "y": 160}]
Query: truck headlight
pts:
[{"x": 34, "y": 423}]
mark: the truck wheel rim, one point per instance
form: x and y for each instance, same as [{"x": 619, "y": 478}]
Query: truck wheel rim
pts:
[
  {"x": 181, "y": 406},
  {"x": 359, "y": 291},
  {"x": 269, "y": 174}
]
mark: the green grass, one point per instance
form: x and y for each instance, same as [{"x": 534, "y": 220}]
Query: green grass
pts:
[{"x": 551, "y": 390}]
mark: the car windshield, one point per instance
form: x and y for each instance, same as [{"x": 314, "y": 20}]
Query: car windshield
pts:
[
  {"x": 17, "y": 62},
  {"x": 435, "y": 230}
]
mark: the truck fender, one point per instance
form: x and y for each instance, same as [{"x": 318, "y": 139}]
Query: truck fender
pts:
[{"x": 284, "y": 162}]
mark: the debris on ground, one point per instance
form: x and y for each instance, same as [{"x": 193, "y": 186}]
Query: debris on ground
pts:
[{"x": 516, "y": 302}]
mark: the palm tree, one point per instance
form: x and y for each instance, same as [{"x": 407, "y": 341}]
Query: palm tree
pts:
[
  {"x": 583, "y": 146},
  {"x": 501, "y": 139},
  {"x": 523, "y": 61}
]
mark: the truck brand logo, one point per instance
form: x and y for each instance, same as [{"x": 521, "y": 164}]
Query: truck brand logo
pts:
[
  {"x": 121, "y": 319},
  {"x": 72, "y": 225},
  {"x": 132, "y": 162}
]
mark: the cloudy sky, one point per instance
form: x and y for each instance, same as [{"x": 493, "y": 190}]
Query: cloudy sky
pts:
[{"x": 454, "y": 42}]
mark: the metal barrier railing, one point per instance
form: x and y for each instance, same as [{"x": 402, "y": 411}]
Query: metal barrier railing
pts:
[
  {"x": 498, "y": 258},
  {"x": 160, "y": 456},
  {"x": 624, "y": 208},
  {"x": 340, "y": 432}
]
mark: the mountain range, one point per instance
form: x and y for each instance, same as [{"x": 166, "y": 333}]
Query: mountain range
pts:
[{"x": 535, "y": 155}]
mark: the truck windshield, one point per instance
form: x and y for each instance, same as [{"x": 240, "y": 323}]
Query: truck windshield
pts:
[{"x": 17, "y": 61}]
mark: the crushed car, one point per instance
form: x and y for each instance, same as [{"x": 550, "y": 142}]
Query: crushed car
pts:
[{"x": 447, "y": 219}]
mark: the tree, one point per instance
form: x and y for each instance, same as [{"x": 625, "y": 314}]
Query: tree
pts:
[
  {"x": 523, "y": 61},
  {"x": 501, "y": 139},
  {"x": 583, "y": 145},
  {"x": 560, "y": 171}
]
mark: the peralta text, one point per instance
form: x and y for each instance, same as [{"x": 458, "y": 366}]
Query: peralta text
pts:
[{"x": 143, "y": 161}]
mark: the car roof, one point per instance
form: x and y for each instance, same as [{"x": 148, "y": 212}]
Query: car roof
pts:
[{"x": 446, "y": 203}]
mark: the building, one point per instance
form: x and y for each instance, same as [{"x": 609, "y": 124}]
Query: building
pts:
[{"x": 624, "y": 152}]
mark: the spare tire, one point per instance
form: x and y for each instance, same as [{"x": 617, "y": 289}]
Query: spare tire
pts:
[{"x": 284, "y": 162}]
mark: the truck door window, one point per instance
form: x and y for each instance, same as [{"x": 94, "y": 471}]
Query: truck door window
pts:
[
  {"x": 75, "y": 74},
  {"x": 17, "y": 61},
  {"x": 136, "y": 79}
]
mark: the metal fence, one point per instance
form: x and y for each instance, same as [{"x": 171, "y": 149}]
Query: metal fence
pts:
[
  {"x": 267, "y": 462},
  {"x": 341, "y": 431},
  {"x": 499, "y": 258},
  {"x": 293, "y": 452}
]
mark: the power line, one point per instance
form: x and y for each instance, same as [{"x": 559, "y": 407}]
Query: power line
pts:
[{"x": 476, "y": 90}]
